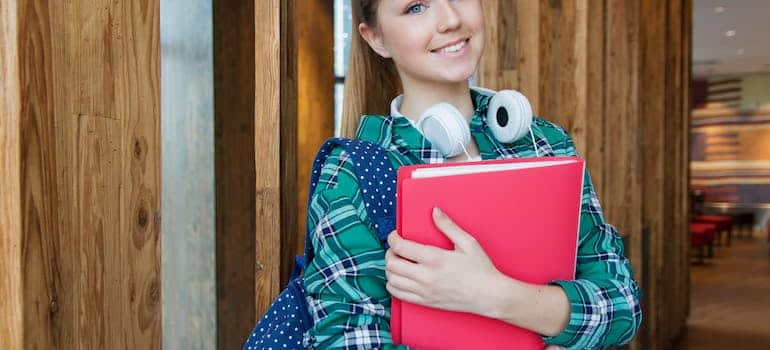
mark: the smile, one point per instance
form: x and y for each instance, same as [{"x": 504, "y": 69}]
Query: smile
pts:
[{"x": 453, "y": 50}]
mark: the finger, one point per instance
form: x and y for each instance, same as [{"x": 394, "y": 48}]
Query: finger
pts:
[
  {"x": 392, "y": 237},
  {"x": 403, "y": 295},
  {"x": 401, "y": 266},
  {"x": 413, "y": 251},
  {"x": 455, "y": 233},
  {"x": 404, "y": 283}
]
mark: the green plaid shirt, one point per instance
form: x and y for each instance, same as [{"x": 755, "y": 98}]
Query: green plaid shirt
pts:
[{"x": 345, "y": 281}]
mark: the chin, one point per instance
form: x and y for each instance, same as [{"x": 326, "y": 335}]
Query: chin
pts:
[{"x": 458, "y": 76}]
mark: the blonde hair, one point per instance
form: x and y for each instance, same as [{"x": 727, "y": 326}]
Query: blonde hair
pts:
[{"x": 372, "y": 80}]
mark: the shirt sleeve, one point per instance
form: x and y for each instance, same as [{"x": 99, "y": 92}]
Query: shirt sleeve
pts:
[
  {"x": 604, "y": 297},
  {"x": 345, "y": 281}
]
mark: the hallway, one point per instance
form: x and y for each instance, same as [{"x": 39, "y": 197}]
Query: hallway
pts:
[{"x": 730, "y": 304}]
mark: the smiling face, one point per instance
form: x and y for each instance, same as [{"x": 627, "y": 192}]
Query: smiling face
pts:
[{"x": 429, "y": 40}]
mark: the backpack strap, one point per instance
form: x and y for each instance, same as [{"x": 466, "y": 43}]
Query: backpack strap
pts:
[{"x": 376, "y": 179}]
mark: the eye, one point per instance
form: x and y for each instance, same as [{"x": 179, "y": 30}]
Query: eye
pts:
[{"x": 415, "y": 9}]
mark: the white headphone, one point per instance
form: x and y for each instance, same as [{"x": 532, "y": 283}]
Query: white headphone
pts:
[{"x": 509, "y": 116}]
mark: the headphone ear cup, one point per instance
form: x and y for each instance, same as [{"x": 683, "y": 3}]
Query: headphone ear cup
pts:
[
  {"x": 446, "y": 129},
  {"x": 509, "y": 115}
]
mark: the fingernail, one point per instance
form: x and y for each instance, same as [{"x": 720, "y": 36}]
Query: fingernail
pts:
[{"x": 437, "y": 211}]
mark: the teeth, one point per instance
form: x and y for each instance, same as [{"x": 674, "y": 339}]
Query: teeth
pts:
[{"x": 453, "y": 48}]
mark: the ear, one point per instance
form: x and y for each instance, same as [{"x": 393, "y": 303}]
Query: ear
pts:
[{"x": 373, "y": 37}]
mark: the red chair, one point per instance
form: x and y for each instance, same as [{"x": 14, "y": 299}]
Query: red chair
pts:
[
  {"x": 702, "y": 235},
  {"x": 724, "y": 224}
]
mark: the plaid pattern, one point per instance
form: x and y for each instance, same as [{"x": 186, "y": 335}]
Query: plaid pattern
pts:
[{"x": 345, "y": 281}]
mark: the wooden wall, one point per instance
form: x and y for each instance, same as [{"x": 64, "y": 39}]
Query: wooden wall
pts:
[
  {"x": 81, "y": 93},
  {"x": 615, "y": 74},
  {"x": 80, "y": 175}
]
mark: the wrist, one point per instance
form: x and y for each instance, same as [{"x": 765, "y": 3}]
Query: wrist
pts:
[{"x": 502, "y": 297}]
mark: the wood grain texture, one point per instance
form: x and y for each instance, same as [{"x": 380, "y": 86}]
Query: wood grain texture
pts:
[
  {"x": 613, "y": 73},
  {"x": 11, "y": 234},
  {"x": 288, "y": 134},
  {"x": 234, "y": 86},
  {"x": 654, "y": 211},
  {"x": 267, "y": 101},
  {"x": 137, "y": 91},
  {"x": 314, "y": 29},
  {"x": 88, "y": 173}
]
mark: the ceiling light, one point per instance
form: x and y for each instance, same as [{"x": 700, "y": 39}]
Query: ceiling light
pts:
[
  {"x": 730, "y": 33},
  {"x": 719, "y": 9}
]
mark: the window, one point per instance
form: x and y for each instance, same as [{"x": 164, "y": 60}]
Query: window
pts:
[{"x": 342, "y": 27}]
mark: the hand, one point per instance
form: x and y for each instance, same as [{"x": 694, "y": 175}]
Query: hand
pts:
[{"x": 457, "y": 280}]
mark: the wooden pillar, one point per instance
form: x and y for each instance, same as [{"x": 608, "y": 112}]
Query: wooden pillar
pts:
[
  {"x": 81, "y": 82},
  {"x": 314, "y": 28},
  {"x": 11, "y": 234},
  {"x": 654, "y": 66},
  {"x": 614, "y": 73},
  {"x": 234, "y": 84},
  {"x": 275, "y": 146}
]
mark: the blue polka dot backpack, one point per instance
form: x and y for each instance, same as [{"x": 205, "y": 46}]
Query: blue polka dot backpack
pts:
[{"x": 287, "y": 319}]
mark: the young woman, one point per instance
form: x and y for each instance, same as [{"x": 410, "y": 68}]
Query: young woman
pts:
[{"x": 427, "y": 50}]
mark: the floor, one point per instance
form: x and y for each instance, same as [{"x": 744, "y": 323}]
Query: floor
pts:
[{"x": 730, "y": 301}]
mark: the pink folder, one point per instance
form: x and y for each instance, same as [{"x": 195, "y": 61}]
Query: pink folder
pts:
[{"x": 525, "y": 219}]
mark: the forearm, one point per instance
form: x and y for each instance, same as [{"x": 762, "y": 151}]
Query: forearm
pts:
[{"x": 543, "y": 309}]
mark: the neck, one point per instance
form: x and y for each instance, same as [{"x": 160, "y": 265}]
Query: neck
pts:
[{"x": 418, "y": 96}]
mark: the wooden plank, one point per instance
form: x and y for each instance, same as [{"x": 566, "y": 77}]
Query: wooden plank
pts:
[
  {"x": 48, "y": 302},
  {"x": 621, "y": 178},
  {"x": 489, "y": 68},
  {"x": 136, "y": 57},
  {"x": 679, "y": 129},
  {"x": 97, "y": 166},
  {"x": 235, "y": 156},
  {"x": 528, "y": 31},
  {"x": 686, "y": 111},
  {"x": 508, "y": 44},
  {"x": 288, "y": 134},
  {"x": 587, "y": 129},
  {"x": 653, "y": 110},
  {"x": 11, "y": 234},
  {"x": 314, "y": 30},
  {"x": 267, "y": 99}
]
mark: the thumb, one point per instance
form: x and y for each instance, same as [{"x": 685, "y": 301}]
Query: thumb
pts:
[{"x": 457, "y": 235}]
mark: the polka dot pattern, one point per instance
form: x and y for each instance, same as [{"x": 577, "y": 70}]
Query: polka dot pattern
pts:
[
  {"x": 377, "y": 179},
  {"x": 284, "y": 323},
  {"x": 287, "y": 320}
]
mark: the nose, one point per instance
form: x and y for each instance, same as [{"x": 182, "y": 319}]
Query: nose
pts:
[{"x": 448, "y": 17}]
